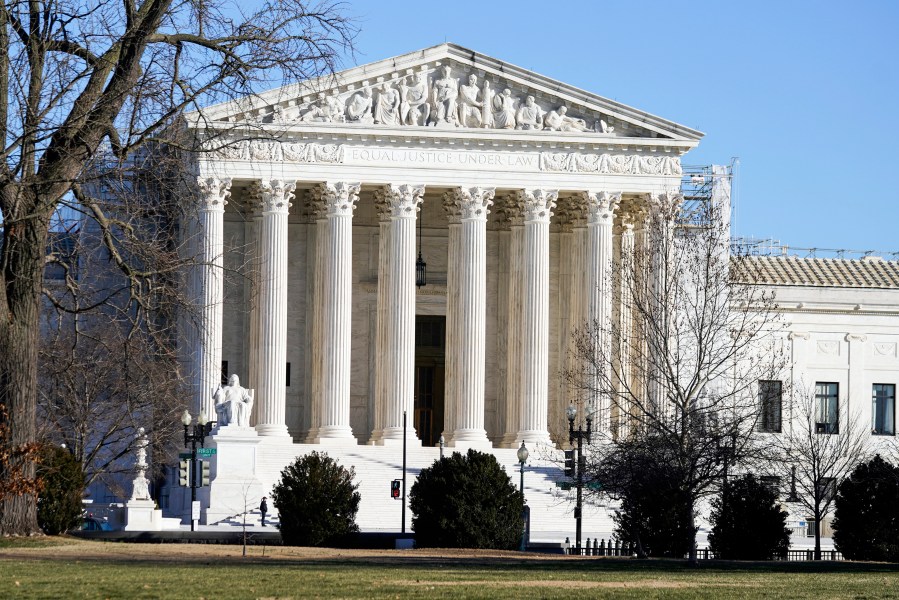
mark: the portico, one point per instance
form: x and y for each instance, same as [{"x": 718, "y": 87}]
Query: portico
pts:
[{"x": 327, "y": 209}]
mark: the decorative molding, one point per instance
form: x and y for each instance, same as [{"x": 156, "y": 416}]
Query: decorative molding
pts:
[
  {"x": 609, "y": 164},
  {"x": 829, "y": 347},
  {"x": 887, "y": 349},
  {"x": 291, "y": 152},
  {"x": 802, "y": 335},
  {"x": 856, "y": 337}
]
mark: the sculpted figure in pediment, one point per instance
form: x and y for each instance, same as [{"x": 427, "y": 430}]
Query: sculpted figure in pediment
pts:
[
  {"x": 487, "y": 95},
  {"x": 529, "y": 115},
  {"x": 558, "y": 120},
  {"x": 414, "y": 107},
  {"x": 359, "y": 108},
  {"x": 469, "y": 105},
  {"x": 387, "y": 108},
  {"x": 504, "y": 110},
  {"x": 446, "y": 92}
]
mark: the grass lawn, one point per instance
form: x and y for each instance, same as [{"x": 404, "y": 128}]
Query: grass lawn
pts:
[{"x": 69, "y": 568}]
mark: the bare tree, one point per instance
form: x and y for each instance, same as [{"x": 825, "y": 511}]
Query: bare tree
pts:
[
  {"x": 819, "y": 447},
  {"x": 86, "y": 90},
  {"x": 674, "y": 372}
]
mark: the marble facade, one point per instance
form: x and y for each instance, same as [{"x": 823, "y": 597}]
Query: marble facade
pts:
[{"x": 507, "y": 182}]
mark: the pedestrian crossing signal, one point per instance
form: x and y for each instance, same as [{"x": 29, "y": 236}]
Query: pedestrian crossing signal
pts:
[
  {"x": 395, "y": 489},
  {"x": 569, "y": 463}
]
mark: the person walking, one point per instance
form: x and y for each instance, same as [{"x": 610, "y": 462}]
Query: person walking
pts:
[{"x": 263, "y": 508}]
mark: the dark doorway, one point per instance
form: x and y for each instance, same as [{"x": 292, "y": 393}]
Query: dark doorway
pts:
[{"x": 430, "y": 356}]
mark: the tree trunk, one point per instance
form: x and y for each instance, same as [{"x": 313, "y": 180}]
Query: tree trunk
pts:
[
  {"x": 817, "y": 534},
  {"x": 23, "y": 252}
]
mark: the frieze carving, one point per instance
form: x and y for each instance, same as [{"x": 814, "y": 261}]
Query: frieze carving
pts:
[
  {"x": 443, "y": 100},
  {"x": 829, "y": 347},
  {"x": 269, "y": 151},
  {"x": 611, "y": 164},
  {"x": 885, "y": 349}
]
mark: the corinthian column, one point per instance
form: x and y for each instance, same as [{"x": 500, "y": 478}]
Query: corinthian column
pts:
[
  {"x": 209, "y": 291},
  {"x": 340, "y": 202},
  {"x": 270, "y": 397},
  {"x": 470, "y": 327},
  {"x": 598, "y": 298},
  {"x": 403, "y": 201},
  {"x": 538, "y": 207}
]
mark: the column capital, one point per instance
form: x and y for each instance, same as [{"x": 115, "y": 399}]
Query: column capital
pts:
[
  {"x": 403, "y": 199},
  {"x": 214, "y": 192},
  {"x": 451, "y": 206},
  {"x": 340, "y": 197},
  {"x": 473, "y": 202},
  {"x": 601, "y": 206},
  {"x": 276, "y": 195},
  {"x": 538, "y": 204},
  {"x": 667, "y": 198}
]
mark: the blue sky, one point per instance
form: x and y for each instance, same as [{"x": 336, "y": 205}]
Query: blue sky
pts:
[{"x": 803, "y": 93}]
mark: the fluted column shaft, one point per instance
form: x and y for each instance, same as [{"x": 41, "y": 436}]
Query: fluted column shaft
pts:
[
  {"x": 598, "y": 298},
  {"x": 271, "y": 395},
  {"x": 382, "y": 353},
  {"x": 319, "y": 279},
  {"x": 403, "y": 201},
  {"x": 514, "y": 325},
  {"x": 253, "y": 231},
  {"x": 626, "y": 320},
  {"x": 538, "y": 207},
  {"x": 452, "y": 315},
  {"x": 470, "y": 327},
  {"x": 340, "y": 202},
  {"x": 209, "y": 291}
]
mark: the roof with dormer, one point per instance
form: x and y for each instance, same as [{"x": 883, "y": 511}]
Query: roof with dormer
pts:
[{"x": 869, "y": 272}]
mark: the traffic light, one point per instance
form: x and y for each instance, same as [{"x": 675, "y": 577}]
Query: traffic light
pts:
[
  {"x": 569, "y": 463},
  {"x": 395, "y": 489},
  {"x": 204, "y": 472},
  {"x": 184, "y": 472}
]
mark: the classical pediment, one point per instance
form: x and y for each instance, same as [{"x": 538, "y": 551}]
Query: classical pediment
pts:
[{"x": 448, "y": 87}]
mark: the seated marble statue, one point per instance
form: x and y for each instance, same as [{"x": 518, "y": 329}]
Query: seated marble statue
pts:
[
  {"x": 233, "y": 403},
  {"x": 529, "y": 116}
]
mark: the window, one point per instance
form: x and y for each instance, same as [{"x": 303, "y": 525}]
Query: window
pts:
[
  {"x": 770, "y": 398},
  {"x": 883, "y": 410},
  {"x": 827, "y": 398},
  {"x": 772, "y": 482},
  {"x": 828, "y": 489}
]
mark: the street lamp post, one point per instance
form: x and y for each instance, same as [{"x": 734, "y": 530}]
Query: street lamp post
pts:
[
  {"x": 580, "y": 435},
  {"x": 192, "y": 438},
  {"x": 522, "y": 458}
]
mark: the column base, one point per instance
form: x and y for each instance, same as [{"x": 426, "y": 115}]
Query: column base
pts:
[
  {"x": 272, "y": 430},
  {"x": 393, "y": 436},
  {"x": 471, "y": 438},
  {"x": 335, "y": 435},
  {"x": 508, "y": 440},
  {"x": 532, "y": 436}
]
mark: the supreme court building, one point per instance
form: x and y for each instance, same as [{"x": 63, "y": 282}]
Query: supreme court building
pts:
[{"x": 513, "y": 192}]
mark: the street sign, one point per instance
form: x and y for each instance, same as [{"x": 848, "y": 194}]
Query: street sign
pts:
[
  {"x": 206, "y": 452},
  {"x": 185, "y": 455},
  {"x": 195, "y": 510}
]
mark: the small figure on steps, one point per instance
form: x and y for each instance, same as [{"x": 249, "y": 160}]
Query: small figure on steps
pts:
[{"x": 263, "y": 508}]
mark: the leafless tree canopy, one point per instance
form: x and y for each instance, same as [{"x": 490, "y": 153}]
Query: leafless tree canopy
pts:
[
  {"x": 689, "y": 344},
  {"x": 815, "y": 459},
  {"x": 87, "y": 90}
]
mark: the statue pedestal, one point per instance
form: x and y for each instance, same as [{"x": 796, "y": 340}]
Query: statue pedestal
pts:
[
  {"x": 234, "y": 485},
  {"x": 142, "y": 515}
]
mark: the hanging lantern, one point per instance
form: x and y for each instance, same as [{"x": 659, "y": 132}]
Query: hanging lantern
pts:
[
  {"x": 421, "y": 267},
  {"x": 421, "y": 271}
]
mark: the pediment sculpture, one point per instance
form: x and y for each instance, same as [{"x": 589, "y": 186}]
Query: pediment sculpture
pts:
[{"x": 443, "y": 101}]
